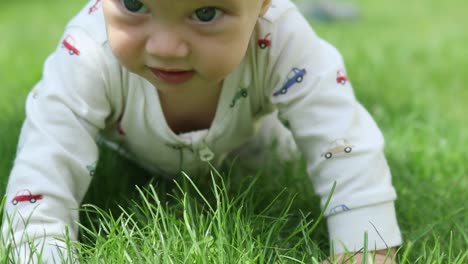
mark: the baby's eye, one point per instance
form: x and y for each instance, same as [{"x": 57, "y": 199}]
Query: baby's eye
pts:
[
  {"x": 134, "y": 6},
  {"x": 206, "y": 14}
]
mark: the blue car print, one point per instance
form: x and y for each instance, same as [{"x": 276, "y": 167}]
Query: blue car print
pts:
[
  {"x": 339, "y": 208},
  {"x": 295, "y": 76}
]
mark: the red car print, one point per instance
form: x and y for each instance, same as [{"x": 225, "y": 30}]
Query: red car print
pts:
[
  {"x": 264, "y": 42},
  {"x": 341, "y": 78},
  {"x": 95, "y": 7},
  {"x": 69, "y": 44},
  {"x": 25, "y": 196},
  {"x": 119, "y": 128}
]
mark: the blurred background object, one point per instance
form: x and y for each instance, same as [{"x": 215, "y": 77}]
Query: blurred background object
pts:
[{"x": 329, "y": 10}]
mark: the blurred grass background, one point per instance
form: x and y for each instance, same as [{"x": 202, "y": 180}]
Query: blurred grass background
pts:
[{"x": 408, "y": 63}]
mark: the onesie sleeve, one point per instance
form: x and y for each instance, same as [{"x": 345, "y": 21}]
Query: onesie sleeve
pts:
[
  {"x": 305, "y": 78},
  {"x": 57, "y": 150}
]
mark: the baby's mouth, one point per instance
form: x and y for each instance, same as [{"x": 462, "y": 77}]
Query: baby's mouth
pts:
[{"x": 172, "y": 76}]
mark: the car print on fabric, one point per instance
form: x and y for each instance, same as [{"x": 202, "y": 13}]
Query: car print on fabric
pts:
[
  {"x": 338, "y": 146},
  {"x": 91, "y": 168},
  {"x": 296, "y": 75},
  {"x": 242, "y": 93},
  {"x": 120, "y": 130},
  {"x": 69, "y": 44},
  {"x": 341, "y": 78},
  {"x": 94, "y": 7},
  {"x": 25, "y": 196},
  {"x": 119, "y": 127},
  {"x": 265, "y": 42},
  {"x": 34, "y": 93},
  {"x": 339, "y": 208}
]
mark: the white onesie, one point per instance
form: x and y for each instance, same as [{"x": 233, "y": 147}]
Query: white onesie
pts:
[{"x": 85, "y": 95}]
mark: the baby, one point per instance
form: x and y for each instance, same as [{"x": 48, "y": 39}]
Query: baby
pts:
[{"x": 174, "y": 85}]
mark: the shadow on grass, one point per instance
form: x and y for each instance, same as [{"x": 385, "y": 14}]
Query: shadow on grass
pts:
[{"x": 277, "y": 197}]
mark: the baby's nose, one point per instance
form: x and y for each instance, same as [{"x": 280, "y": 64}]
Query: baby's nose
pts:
[{"x": 167, "y": 43}]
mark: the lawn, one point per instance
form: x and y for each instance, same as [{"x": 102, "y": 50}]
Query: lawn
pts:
[{"x": 408, "y": 63}]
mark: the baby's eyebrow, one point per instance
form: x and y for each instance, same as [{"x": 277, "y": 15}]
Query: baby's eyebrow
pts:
[
  {"x": 214, "y": 2},
  {"x": 226, "y": 4}
]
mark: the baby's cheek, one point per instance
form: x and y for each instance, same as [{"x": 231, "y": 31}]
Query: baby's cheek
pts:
[
  {"x": 124, "y": 49},
  {"x": 224, "y": 60}
]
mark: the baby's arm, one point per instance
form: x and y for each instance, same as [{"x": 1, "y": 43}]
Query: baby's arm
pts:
[
  {"x": 57, "y": 153},
  {"x": 336, "y": 135}
]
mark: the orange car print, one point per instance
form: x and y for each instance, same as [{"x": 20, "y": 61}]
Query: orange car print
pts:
[
  {"x": 339, "y": 146},
  {"x": 34, "y": 93}
]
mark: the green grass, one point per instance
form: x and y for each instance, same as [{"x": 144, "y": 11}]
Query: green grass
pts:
[{"x": 407, "y": 61}]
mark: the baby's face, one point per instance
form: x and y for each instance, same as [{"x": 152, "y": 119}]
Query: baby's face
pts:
[{"x": 177, "y": 44}]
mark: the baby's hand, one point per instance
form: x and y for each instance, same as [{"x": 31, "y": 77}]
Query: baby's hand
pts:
[{"x": 378, "y": 257}]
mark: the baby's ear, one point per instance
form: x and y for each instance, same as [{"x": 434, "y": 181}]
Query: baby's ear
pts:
[{"x": 265, "y": 5}]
